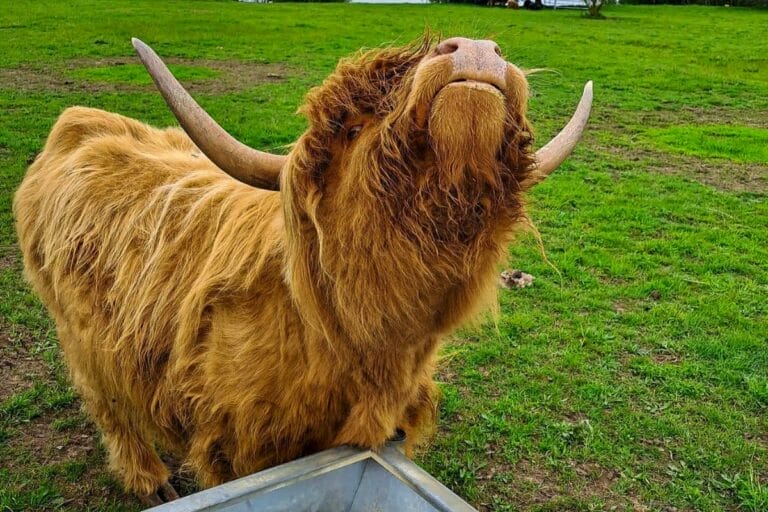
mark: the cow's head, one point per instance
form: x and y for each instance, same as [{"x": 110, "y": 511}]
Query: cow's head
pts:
[
  {"x": 432, "y": 140},
  {"x": 432, "y": 134},
  {"x": 459, "y": 102},
  {"x": 427, "y": 146}
]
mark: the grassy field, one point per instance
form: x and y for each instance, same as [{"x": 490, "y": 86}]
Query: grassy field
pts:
[{"x": 633, "y": 374}]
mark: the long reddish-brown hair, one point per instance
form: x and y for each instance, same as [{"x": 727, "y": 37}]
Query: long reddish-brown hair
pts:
[{"x": 240, "y": 327}]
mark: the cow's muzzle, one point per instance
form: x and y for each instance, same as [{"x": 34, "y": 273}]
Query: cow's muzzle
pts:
[{"x": 475, "y": 61}]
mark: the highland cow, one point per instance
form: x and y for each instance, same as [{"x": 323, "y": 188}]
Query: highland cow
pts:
[{"x": 240, "y": 323}]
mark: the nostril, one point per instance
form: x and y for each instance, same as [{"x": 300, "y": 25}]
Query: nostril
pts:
[
  {"x": 447, "y": 46},
  {"x": 497, "y": 50}
]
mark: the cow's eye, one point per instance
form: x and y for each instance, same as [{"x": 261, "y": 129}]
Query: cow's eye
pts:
[{"x": 354, "y": 131}]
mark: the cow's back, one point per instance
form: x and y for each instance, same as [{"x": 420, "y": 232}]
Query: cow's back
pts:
[{"x": 126, "y": 230}]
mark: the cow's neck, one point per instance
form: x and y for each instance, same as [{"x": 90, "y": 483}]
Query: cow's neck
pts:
[{"x": 391, "y": 292}]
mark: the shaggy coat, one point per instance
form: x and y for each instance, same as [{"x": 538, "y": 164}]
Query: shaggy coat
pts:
[{"x": 240, "y": 328}]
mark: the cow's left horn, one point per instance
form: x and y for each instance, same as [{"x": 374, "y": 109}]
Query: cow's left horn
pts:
[
  {"x": 558, "y": 149},
  {"x": 246, "y": 164}
]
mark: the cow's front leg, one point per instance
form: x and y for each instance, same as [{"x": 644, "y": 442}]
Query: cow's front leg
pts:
[
  {"x": 380, "y": 404},
  {"x": 370, "y": 424},
  {"x": 373, "y": 421},
  {"x": 420, "y": 416},
  {"x": 394, "y": 393}
]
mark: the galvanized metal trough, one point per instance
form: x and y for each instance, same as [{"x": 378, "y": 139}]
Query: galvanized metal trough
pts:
[{"x": 338, "y": 480}]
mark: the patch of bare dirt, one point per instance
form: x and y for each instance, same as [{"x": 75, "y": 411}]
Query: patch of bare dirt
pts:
[
  {"x": 619, "y": 307},
  {"x": 621, "y": 120},
  {"x": 9, "y": 259},
  {"x": 60, "y": 440},
  {"x": 666, "y": 358},
  {"x": 760, "y": 439},
  {"x": 625, "y": 305},
  {"x": 575, "y": 418},
  {"x": 720, "y": 174},
  {"x": 236, "y": 75},
  {"x": 50, "y": 446},
  {"x": 72, "y": 454},
  {"x": 531, "y": 484},
  {"x": 445, "y": 374},
  {"x": 701, "y": 115},
  {"x": 19, "y": 369}
]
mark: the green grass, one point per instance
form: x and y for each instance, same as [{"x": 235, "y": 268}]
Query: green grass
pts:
[
  {"x": 737, "y": 143},
  {"x": 136, "y": 74},
  {"x": 633, "y": 373}
]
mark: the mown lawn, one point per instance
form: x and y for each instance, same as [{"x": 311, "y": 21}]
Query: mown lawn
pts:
[{"x": 633, "y": 374}]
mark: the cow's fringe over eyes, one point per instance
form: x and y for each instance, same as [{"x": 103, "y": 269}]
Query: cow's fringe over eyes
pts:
[{"x": 241, "y": 328}]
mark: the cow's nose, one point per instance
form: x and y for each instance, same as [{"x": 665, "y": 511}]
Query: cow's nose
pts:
[
  {"x": 448, "y": 46},
  {"x": 464, "y": 45},
  {"x": 475, "y": 60}
]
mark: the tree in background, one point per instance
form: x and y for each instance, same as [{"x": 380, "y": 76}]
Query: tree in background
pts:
[{"x": 593, "y": 8}]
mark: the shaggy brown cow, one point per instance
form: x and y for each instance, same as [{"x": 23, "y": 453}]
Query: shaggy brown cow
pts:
[{"x": 240, "y": 323}]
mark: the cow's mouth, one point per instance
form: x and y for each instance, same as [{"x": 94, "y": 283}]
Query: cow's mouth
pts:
[{"x": 475, "y": 84}]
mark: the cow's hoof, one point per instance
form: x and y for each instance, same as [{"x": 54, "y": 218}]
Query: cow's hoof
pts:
[
  {"x": 164, "y": 494},
  {"x": 169, "y": 493},
  {"x": 398, "y": 437},
  {"x": 151, "y": 500}
]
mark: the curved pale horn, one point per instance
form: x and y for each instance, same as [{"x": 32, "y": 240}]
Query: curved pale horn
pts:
[
  {"x": 558, "y": 149},
  {"x": 246, "y": 164}
]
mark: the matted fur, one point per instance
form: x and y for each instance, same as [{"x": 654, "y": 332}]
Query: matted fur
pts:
[{"x": 241, "y": 328}]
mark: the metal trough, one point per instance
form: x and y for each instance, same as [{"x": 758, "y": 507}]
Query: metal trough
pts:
[{"x": 337, "y": 480}]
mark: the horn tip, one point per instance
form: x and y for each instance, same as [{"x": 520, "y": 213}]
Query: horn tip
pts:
[{"x": 138, "y": 44}]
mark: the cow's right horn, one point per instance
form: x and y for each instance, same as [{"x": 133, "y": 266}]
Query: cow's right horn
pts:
[
  {"x": 248, "y": 165},
  {"x": 558, "y": 149}
]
